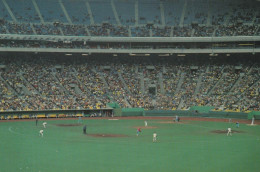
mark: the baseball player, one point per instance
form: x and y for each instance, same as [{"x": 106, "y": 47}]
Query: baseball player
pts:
[
  {"x": 145, "y": 123},
  {"x": 44, "y": 124},
  {"x": 41, "y": 133},
  {"x": 154, "y": 137},
  {"x": 138, "y": 131},
  {"x": 237, "y": 124},
  {"x": 253, "y": 120},
  {"x": 229, "y": 132},
  {"x": 79, "y": 120},
  {"x": 177, "y": 119},
  {"x": 85, "y": 129}
]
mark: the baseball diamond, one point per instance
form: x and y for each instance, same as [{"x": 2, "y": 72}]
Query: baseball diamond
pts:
[{"x": 196, "y": 144}]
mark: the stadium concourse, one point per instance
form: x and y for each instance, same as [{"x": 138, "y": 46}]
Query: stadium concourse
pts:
[{"x": 54, "y": 81}]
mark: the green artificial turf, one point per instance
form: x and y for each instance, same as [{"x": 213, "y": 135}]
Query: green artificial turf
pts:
[{"x": 189, "y": 146}]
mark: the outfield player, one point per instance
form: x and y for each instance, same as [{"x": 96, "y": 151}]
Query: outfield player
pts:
[
  {"x": 80, "y": 120},
  {"x": 177, "y": 119},
  {"x": 145, "y": 123},
  {"x": 237, "y": 124},
  {"x": 41, "y": 133},
  {"x": 44, "y": 124},
  {"x": 138, "y": 131},
  {"x": 154, "y": 137},
  {"x": 229, "y": 132}
]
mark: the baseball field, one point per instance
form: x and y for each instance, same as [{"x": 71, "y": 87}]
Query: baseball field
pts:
[{"x": 111, "y": 145}]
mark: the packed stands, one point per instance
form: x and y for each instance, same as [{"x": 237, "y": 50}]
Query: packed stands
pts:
[{"x": 41, "y": 82}]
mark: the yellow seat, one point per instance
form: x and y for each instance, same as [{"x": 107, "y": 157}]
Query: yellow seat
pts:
[
  {"x": 52, "y": 116},
  {"x": 61, "y": 115},
  {"x": 41, "y": 116},
  {"x": 79, "y": 115},
  {"x": 25, "y": 116},
  {"x": 15, "y": 117}
]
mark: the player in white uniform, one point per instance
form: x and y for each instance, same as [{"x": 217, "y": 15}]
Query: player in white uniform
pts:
[
  {"x": 145, "y": 123},
  {"x": 229, "y": 132},
  {"x": 44, "y": 124},
  {"x": 41, "y": 133},
  {"x": 154, "y": 137},
  {"x": 253, "y": 119}
]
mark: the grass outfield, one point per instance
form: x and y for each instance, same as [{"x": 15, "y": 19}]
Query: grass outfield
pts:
[{"x": 187, "y": 146}]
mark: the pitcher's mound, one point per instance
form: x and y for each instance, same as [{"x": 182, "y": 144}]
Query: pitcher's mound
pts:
[
  {"x": 225, "y": 131},
  {"x": 143, "y": 127}
]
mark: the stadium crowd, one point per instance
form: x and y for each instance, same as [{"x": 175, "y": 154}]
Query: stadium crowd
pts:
[
  {"x": 234, "y": 29},
  {"x": 39, "y": 83}
]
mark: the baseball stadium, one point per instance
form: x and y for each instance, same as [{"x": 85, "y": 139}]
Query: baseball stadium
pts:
[{"x": 129, "y": 85}]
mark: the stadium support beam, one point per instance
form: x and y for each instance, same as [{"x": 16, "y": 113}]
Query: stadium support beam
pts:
[
  {"x": 65, "y": 11},
  {"x": 115, "y": 12},
  {"x": 90, "y": 13},
  {"x": 183, "y": 14},
  {"x": 9, "y": 10},
  {"x": 209, "y": 14},
  {"x": 136, "y": 13},
  {"x": 38, "y": 11},
  {"x": 162, "y": 14}
]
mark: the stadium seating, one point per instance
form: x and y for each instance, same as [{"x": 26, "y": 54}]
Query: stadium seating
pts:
[
  {"x": 169, "y": 85},
  {"x": 187, "y": 18}
]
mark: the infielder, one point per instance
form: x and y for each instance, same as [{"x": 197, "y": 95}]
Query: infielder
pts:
[
  {"x": 138, "y": 131},
  {"x": 44, "y": 124},
  {"x": 229, "y": 132},
  {"x": 253, "y": 119},
  {"x": 237, "y": 124},
  {"x": 154, "y": 137},
  {"x": 41, "y": 133}
]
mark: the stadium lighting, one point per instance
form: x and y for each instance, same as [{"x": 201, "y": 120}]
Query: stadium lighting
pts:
[
  {"x": 181, "y": 55},
  {"x": 68, "y": 54},
  {"x": 164, "y": 54},
  {"x": 131, "y": 54},
  {"x": 147, "y": 54},
  {"x": 213, "y": 54},
  {"x": 84, "y": 54},
  {"x": 114, "y": 55},
  {"x": 245, "y": 44}
]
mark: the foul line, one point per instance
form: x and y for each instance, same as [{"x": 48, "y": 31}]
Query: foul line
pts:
[{"x": 10, "y": 129}]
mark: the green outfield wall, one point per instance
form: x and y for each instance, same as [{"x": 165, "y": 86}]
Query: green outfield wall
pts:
[
  {"x": 210, "y": 114},
  {"x": 255, "y": 114},
  {"x": 202, "y": 109},
  {"x": 132, "y": 111}
]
